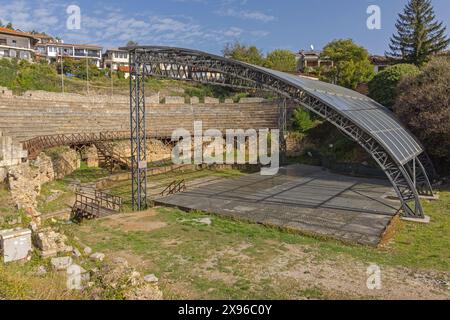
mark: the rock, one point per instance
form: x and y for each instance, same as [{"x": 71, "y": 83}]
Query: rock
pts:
[
  {"x": 98, "y": 256},
  {"x": 41, "y": 271},
  {"x": 76, "y": 253},
  {"x": 145, "y": 292},
  {"x": 25, "y": 180},
  {"x": 206, "y": 221},
  {"x": 117, "y": 274},
  {"x": 65, "y": 162},
  {"x": 50, "y": 242},
  {"x": 61, "y": 263},
  {"x": 151, "y": 278},
  {"x": 135, "y": 278},
  {"x": 87, "y": 250}
]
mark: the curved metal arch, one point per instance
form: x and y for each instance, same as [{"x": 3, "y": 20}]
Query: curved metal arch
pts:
[{"x": 400, "y": 157}]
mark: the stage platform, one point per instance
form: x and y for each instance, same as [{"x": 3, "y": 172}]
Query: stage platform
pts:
[{"x": 301, "y": 198}]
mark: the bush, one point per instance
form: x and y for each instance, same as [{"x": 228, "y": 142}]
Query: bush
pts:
[
  {"x": 303, "y": 121},
  {"x": 423, "y": 105},
  {"x": 37, "y": 76},
  {"x": 383, "y": 86},
  {"x": 8, "y": 72}
]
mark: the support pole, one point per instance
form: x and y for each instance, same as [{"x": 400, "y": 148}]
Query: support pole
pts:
[
  {"x": 282, "y": 126},
  {"x": 138, "y": 135}
]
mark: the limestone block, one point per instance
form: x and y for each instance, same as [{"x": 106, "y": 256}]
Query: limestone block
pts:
[
  {"x": 153, "y": 99},
  {"x": 5, "y": 92},
  {"x": 209, "y": 100},
  {"x": 174, "y": 100},
  {"x": 11, "y": 153},
  {"x": 251, "y": 100},
  {"x": 50, "y": 242},
  {"x": 229, "y": 101},
  {"x": 195, "y": 100},
  {"x": 15, "y": 244},
  {"x": 61, "y": 263}
]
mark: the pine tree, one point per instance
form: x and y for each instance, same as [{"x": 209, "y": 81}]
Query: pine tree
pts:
[{"x": 419, "y": 35}]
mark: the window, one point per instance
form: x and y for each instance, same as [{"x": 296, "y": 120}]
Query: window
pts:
[
  {"x": 3, "y": 42},
  {"x": 24, "y": 55}
]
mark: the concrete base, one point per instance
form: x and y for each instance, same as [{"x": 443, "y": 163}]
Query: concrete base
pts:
[
  {"x": 300, "y": 198},
  {"x": 425, "y": 220}
]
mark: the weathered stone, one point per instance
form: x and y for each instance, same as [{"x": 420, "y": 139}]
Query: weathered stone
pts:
[
  {"x": 61, "y": 263},
  {"x": 97, "y": 256},
  {"x": 65, "y": 163},
  {"x": 251, "y": 100},
  {"x": 117, "y": 274},
  {"x": 15, "y": 244},
  {"x": 206, "y": 221},
  {"x": 151, "y": 278},
  {"x": 174, "y": 100},
  {"x": 90, "y": 155},
  {"x": 209, "y": 100},
  {"x": 87, "y": 250},
  {"x": 195, "y": 100},
  {"x": 11, "y": 153},
  {"x": 25, "y": 181},
  {"x": 76, "y": 252},
  {"x": 41, "y": 271},
  {"x": 50, "y": 242},
  {"x": 229, "y": 101}
]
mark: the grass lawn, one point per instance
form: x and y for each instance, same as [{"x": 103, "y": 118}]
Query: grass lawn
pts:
[{"x": 236, "y": 260}]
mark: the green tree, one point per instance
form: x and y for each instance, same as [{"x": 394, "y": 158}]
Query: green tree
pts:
[
  {"x": 383, "y": 87},
  {"x": 9, "y": 26},
  {"x": 244, "y": 53},
  {"x": 419, "y": 35},
  {"x": 303, "y": 120},
  {"x": 281, "y": 60},
  {"x": 352, "y": 65},
  {"x": 423, "y": 104},
  {"x": 132, "y": 43},
  {"x": 1, "y": 24}
]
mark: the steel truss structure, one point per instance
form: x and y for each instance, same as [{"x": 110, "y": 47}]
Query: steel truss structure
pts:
[
  {"x": 138, "y": 133},
  {"x": 394, "y": 149}
]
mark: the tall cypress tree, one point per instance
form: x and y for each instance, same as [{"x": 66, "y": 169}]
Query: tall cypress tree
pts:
[{"x": 419, "y": 35}]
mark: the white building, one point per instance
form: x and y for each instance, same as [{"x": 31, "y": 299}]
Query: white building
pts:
[
  {"x": 115, "y": 58},
  {"x": 51, "y": 51},
  {"x": 16, "y": 44}
]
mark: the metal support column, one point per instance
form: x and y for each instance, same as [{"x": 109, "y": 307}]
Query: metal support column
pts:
[
  {"x": 282, "y": 126},
  {"x": 138, "y": 134}
]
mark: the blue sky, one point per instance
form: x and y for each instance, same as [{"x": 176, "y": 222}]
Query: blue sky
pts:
[{"x": 210, "y": 24}]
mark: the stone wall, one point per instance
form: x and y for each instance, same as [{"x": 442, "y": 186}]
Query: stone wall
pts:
[
  {"x": 11, "y": 154},
  {"x": 38, "y": 113}
]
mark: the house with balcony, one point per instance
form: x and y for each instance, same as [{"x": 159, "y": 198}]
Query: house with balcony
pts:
[
  {"x": 15, "y": 44},
  {"x": 114, "y": 59},
  {"x": 53, "y": 51},
  {"x": 311, "y": 60}
]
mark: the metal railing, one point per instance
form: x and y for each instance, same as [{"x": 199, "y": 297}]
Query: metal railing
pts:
[{"x": 176, "y": 186}]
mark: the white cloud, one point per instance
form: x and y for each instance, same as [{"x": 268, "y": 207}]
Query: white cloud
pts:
[
  {"x": 112, "y": 27},
  {"x": 246, "y": 15}
]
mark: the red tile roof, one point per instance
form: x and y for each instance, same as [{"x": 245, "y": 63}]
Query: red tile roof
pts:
[{"x": 17, "y": 33}]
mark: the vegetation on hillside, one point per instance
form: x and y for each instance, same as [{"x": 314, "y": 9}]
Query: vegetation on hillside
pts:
[{"x": 423, "y": 105}]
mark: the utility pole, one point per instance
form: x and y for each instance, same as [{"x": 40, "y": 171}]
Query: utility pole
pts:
[
  {"x": 62, "y": 74},
  {"x": 112, "y": 81},
  {"x": 87, "y": 74}
]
